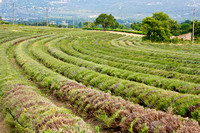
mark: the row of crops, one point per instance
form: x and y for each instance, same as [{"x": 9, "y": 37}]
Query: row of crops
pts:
[{"x": 119, "y": 82}]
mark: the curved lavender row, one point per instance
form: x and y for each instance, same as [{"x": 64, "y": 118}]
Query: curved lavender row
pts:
[
  {"x": 24, "y": 109},
  {"x": 111, "y": 110},
  {"x": 117, "y": 113}
]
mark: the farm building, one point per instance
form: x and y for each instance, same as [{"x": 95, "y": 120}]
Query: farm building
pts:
[{"x": 187, "y": 36}]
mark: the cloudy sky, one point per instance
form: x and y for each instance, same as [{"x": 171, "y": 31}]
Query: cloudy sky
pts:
[{"x": 120, "y": 8}]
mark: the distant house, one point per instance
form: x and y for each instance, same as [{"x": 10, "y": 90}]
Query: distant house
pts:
[{"x": 187, "y": 36}]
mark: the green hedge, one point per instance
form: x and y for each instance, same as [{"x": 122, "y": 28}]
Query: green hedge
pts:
[{"x": 118, "y": 30}]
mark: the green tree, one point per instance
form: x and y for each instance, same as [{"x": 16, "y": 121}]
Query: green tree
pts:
[
  {"x": 157, "y": 27},
  {"x": 89, "y": 25},
  {"x": 60, "y": 26},
  {"x": 174, "y": 27},
  {"x": 187, "y": 22},
  {"x": 105, "y": 20},
  {"x": 196, "y": 29},
  {"x": 136, "y": 26},
  {"x": 80, "y": 25},
  {"x": 1, "y": 21},
  {"x": 70, "y": 26},
  {"x": 160, "y": 16},
  {"x": 117, "y": 25},
  {"x": 52, "y": 25},
  {"x": 185, "y": 26},
  {"x": 85, "y": 25},
  {"x": 120, "y": 26},
  {"x": 124, "y": 27}
]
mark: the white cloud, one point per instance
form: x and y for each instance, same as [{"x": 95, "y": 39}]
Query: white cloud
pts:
[
  {"x": 193, "y": 5},
  {"x": 1, "y": 1},
  {"x": 154, "y": 3},
  {"x": 59, "y": 2},
  {"x": 93, "y": 16}
]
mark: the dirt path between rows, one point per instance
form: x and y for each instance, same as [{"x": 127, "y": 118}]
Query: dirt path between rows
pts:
[
  {"x": 92, "y": 122},
  {"x": 123, "y": 33},
  {"x": 3, "y": 128}
]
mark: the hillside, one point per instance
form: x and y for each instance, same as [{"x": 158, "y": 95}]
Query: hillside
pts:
[{"x": 74, "y": 81}]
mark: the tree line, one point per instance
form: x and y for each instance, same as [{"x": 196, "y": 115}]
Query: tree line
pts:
[
  {"x": 3, "y": 22},
  {"x": 160, "y": 27}
]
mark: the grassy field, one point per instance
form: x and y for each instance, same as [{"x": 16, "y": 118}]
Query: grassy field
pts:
[{"x": 79, "y": 81}]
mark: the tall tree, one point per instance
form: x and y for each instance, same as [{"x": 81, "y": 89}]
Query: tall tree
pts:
[
  {"x": 197, "y": 29},
  {"x": 136, "y": 26},
  {"x": 174, "y": 27},
  {"x": 105, "y": 20},
  {"x": 185, "y": 28},
  {"x": 1, "y": 21},
  {"x": 160, "y": 16},
  {"x": 89, "y": 25},
  {"x": 80, "y": 25},
  {"x": 157, "y": 27},
  {"x": 187, "y": 22}
]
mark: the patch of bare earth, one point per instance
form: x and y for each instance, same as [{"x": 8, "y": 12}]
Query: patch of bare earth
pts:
[
  {"x": 3, "y": 128},
  {"x": 123, "y": 33}
]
